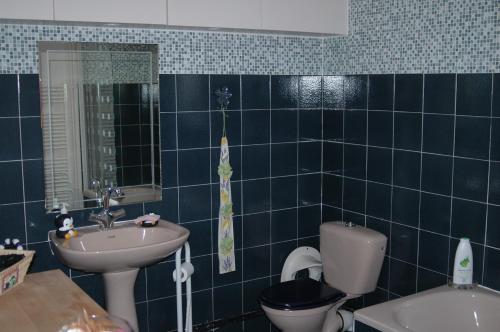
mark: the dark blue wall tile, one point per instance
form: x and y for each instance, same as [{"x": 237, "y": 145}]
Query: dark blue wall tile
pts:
[
  {"x": 11, "y": 180},
  {"x": 354, "y": 194},
  {"x": 495, "y": 139},
  {"x": 438, "y": 133},
  {"x": 333, "y": 155},
  {"x": 284, "y": 126},
  {"x": 470, "y": 179},
  {"x": 167, "y": 93},
  {"x": 403, "y": 277},
  {"x": 192, "y": 93},
  {"x": 283, "y": 225},
  {"x": 379, "y": 165},
  {"x": 333, "y": 92},
  {"x": 256, "y": 196},
  {"x": 429, "y": 279},
  {"x": 158, "y": 321},
  {"x": 168, "y": 132},
  {"x": 33, "y": 180},
  {"x": 8, "y": 95},
  {"x": 355, "y": 90},
  {"x": 332, "y": 190},
  {"x": 169, "y": 169},
  {"x": 29, "y": 94},
  {"x": 309, "y": 220},
  {"x": 407, "y": 169},
  {"x": 360, "y": 327},
  {"x": 256, "y": 161},
  {"x": 436, "y": 173},
  {"x": 378, "y": 200},
  {"x": 493, "y": 235},
  {"x": 309, "y": 189},
  {"x": 492, "y": 268},
  {"x": 194, "y": 196},
  {"x": 255, "y": 91},
  {"x": 310, "y": 122},
  {"x": 355, "y": 127},
  {"x": 12, "y": 223},
  {"x": 44, "y": 260},
  {"x": 256, "y": 262},
  {"x": 474, "y": 94},
  {"x": 255, "y": 128},
  {"x": 10, "y": 139},
  {"x": 435, "y": 213},
  {"x": 31, "y": 138},
  {"x": 310, "y": 91},
  {"x": 380, "y": 128},
  {"x": 354, "y": 161},
  {"x": 439, "y": 91},
  {"x": 468, "y": 220},
  {"x": 283, "y": 159},
  {"x": 194, "y": 128},
  {"x": 256, "y": 229},
  {"x": 404, "y": 243},
  {"x": 233, "y": 127},
  {"x": 408, "y": 93},
  {"x": 200, "y": 242},
  {"x": 284, "y": 91},
  {"x": 228, "y": 301},
  {"x": 496, "y": 95},
  {"x": 472, "y": 136},
  {"x": 309, "y": 157},
  {"x": 230, "y": 81},
  {"x": 407, "y": 131},
  {"x": 251, "y": 293},
  {"x": 333, "y": 125},
  {"x": 380, "y": 92},
  {"x": 405, "y": 205},
  {"x": 203, "y": 267},
  {"x": 194, "y": 166},
  {"x": 433, "y": 251},
  {"x": 284, "y": 192}
]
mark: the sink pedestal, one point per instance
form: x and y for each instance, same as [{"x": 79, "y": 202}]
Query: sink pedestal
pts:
[{"x": 119, "y": 291}]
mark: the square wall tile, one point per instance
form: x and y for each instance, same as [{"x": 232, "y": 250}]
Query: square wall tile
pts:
[
  {"x": 355, "y": 90},
  {"x": 408, "y": 93},
  {"x": 468, "y": 220},
  {"x": 407, "y": 169},
  {"x": 438, "y": 134},
  {"x": 404, "y": 243},
  {"x": 436, "y": 173},
  {"x": 8, "y": 95},
  {"x": 472, "y": 136},
  {"x": 284, "y": 91},
  {"x": 474, "y": 94},
  {"x": 439, "y": 92},
  {"x": 380, "y": 125},
  {"x": 435, "y": 213},
  {"x": 470, "y": 179},
  {"x": 192, "y": 93},
  {"x": 380, "y": 92},
  {"x": 232, "y": 82},
  {"x": 407, "y": 131},
  {"x": 255, "y": 92}
]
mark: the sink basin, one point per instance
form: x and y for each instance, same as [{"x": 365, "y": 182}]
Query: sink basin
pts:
[
  {"x": 118, "y": 253},
  {"x": 438, "y": 309},
  {"x": 123, "y": 247}
]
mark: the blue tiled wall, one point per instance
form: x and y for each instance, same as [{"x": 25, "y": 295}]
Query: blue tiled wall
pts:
[
  {"x": 416, "y": 157},
  {"x": 274, "y": 132}
]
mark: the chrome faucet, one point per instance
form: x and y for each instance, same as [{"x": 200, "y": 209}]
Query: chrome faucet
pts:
[{"x": 106, "y": 218}]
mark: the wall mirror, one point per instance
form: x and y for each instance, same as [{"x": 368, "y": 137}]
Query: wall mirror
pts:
[{"x": 100, "y": 120}]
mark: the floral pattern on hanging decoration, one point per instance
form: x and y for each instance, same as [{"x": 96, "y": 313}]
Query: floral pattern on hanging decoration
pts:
[{"x": 226, "y": 232}]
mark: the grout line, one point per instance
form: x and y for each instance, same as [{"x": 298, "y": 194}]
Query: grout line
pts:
[
  {"x": 21, "y": 153},
  {"x": 452, "y": 174},
  {"x": 420, "y": 178}
]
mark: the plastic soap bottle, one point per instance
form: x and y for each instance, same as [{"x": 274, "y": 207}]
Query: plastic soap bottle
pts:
[{"x": 462, "y": 272}]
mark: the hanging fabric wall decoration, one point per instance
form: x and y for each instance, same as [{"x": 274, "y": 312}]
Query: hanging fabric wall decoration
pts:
[{"x": 226, "y": 232}]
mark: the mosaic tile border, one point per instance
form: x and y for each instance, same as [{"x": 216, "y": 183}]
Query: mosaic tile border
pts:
[
  {"x": 425, "y": 36},
  {"x": 181, "y": 51}
]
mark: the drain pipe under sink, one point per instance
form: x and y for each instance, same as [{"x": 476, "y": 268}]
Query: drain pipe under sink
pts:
[
  {"x": 338, "y": 321},
  {"x": 182, "y": 273}
]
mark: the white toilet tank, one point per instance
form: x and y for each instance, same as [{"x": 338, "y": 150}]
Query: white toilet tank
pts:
[{"x": 352, "y": 256}]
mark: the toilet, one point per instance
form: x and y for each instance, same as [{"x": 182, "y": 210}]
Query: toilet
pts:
[{"x": 350, "y": 261}]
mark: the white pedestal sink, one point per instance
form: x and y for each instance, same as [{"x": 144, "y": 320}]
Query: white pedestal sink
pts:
[{"x": 118, "y": 253}]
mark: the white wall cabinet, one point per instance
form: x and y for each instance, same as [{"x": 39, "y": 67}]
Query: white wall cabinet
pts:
[
  {"x": 314, "y": 16},
  {"x": 303, "y": 16},
  {"x": 27, "y": 9},
  {"x": 112, "y": 11},
  {"x": 235, "y": 14}
]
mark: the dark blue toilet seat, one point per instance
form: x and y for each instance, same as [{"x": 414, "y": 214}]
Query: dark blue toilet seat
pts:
[{"x": 299, "y": 294}]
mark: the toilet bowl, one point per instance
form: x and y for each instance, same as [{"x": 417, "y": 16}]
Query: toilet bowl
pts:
[{"x": 351, "y": 259}]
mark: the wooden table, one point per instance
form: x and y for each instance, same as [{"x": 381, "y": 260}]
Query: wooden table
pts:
[{"x": 45, "y": 301}]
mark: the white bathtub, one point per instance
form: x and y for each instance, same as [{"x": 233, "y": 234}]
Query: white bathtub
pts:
[{"x": 438, "y": 309}]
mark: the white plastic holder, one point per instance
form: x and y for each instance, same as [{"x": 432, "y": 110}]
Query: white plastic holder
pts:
[{"x": 182, "y": 273}]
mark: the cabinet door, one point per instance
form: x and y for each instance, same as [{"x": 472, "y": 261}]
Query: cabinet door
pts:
[
  {"x": 27, "y": 9},
  {"x": 237, "y": 14},
  {"x": 316, "y": 16},
  {"x": 112, "y": 11}
]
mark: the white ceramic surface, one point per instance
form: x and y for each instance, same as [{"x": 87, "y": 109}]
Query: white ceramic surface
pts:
[
  {"x": 122, "y": 247},
  {"x": 438, "y": 309},
  {"x": 118, "y": 253}
]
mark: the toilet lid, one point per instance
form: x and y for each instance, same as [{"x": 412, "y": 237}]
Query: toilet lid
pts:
[{"x": 299, "y": 294}]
